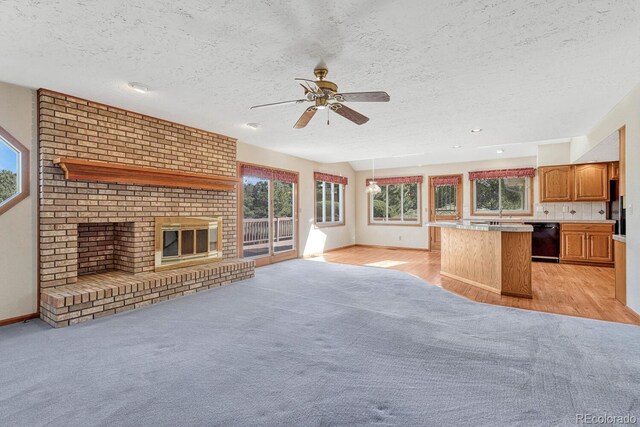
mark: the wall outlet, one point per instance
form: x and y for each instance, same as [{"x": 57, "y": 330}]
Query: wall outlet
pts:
[
  {"x": 565, "y": 208},
  {"x": 399, "y": 237},
  {"x": 539, "y": 208},
  {"x": 630, "y": 208}
]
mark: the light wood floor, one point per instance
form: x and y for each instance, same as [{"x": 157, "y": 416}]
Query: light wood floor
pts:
[{"x": 557, "y": 288}]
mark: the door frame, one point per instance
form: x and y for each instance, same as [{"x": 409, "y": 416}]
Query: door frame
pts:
[{"x": 272, "y": 257}]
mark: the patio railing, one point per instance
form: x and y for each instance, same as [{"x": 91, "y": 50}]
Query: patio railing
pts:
[{"x": 256, "y": 231}]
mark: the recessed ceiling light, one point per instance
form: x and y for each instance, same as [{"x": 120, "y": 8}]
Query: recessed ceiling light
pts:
[
  {"x": 499, "y": 151},
  {"x": 457, "y": 146},
  {"x": 476, "y": 130},
  {"x": 139, "y": 87},
  {"x": 253, "y": 125}
]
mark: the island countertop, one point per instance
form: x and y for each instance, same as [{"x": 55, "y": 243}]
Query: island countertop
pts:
[{"x": 482, "y": 226}]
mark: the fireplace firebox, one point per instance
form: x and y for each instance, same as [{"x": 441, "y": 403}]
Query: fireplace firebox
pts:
[{"x": 184, "y": 241}]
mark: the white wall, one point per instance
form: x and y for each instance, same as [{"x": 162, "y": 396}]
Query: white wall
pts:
[
  {"x": 625, "y": 113},
  {"x": 413, "y": 236},
  {"x": 18, "y": 256},
  {"x": 554, "y": 154},
  {"x": 313, "y": 239}
]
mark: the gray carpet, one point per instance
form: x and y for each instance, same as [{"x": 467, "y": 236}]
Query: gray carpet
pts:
[{"x": 313, "y": 344}]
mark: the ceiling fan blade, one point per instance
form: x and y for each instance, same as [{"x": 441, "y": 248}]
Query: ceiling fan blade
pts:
[
  {"x": 313, "y": 86},
  {"x": 305, "y": 118},
  {"x": 349, "y": 114},
  {"x": 274, "y": 104},
  {"x": 363, "y": 97},
  {"x": 300, "y": 79}
]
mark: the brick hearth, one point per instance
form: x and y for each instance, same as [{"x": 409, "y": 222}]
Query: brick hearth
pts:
[
  {"x": 89, "y": 227},
  {"x": 99, "y": 295}
]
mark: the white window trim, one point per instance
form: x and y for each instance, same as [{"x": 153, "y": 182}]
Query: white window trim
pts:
[
  {"x": 386, "y": 213},
  {"x": 324, "y": 221},
  {"x": 527, "y": 200}
]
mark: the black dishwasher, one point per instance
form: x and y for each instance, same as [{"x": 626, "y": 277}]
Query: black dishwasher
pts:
[{"x": 545, "y": 241}]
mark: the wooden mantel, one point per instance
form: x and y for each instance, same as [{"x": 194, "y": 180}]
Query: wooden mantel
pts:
[{"x": 87, "y": 170}]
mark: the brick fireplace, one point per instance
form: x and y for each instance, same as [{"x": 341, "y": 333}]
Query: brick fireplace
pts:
[{"x": 98, "y": 206}]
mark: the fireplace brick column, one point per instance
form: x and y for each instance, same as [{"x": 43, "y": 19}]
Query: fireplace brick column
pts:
[{"x": 76, "y": 128}]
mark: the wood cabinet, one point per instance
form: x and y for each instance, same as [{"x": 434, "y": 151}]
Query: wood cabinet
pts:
[
  {"x": 600, "y": 247},
  {"x": 556, "y": 183},
  {"x": 586, "y": 243},
  {"x": 574, "y": 246},
  {"x": 621, "y": 271},
  {"x": 579, "y": 183},
  {"x": 591, "y": 182},
  {"x": 614, "y": 170}
]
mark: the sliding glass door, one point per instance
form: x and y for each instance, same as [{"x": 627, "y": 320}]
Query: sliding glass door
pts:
[
  {"x": 256, "y": 226},
  {"x": 269, "y": 221},
  {"x": 283, "y": 216}
]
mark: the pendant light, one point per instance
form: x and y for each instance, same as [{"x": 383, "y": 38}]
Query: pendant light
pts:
[{"x": 373, "y": 187}]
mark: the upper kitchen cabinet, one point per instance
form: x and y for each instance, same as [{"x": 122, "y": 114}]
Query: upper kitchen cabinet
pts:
[
  {"x": 591, "y": 182},
  {"x": 556, "y": 183},
  {"x": 575, "y": 183},
  {"x": 614, "y": 170}
]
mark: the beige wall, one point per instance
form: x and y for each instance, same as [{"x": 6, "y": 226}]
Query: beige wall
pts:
[
  {"x": 313, "y": 239},
  {"x": 625, "y": 113},
  {"x": 18, "y": 283},
  {"x": 412, "y": 236}
]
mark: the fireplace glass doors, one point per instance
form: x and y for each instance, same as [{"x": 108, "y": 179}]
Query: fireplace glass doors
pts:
[{"x": 187, "y": 241}]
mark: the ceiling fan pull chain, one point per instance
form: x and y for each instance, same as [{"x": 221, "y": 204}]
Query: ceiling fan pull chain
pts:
[{"x": 328, "y": 109}]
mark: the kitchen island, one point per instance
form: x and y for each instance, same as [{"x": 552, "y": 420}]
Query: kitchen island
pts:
[{"x": 494, "y": 257}]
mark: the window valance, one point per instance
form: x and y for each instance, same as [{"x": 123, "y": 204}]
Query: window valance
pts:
[
  {"x": 269, "y": 173},
  {"x": 502, "y": 173},
  {"x": 440, "y": 181},
  {"x": 326, "y": 177},
  {"x": 397, "y": 180}
]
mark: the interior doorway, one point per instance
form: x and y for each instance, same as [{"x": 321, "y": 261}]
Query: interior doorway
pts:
[{"x": 267, "y": 213}]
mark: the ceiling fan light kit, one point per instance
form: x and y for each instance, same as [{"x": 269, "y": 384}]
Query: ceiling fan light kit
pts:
[{"x": 324, "y": 94}]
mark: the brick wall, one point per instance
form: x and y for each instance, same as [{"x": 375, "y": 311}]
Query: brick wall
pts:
[
  {"x": 72, "y": 127},
  {"x": 96, "y": 246}
]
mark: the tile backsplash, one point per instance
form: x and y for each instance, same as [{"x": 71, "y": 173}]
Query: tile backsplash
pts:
[{"x": 572, "y": 211}]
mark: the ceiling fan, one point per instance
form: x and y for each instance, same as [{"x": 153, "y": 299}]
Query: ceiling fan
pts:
[{"x": 324, "y": 94}]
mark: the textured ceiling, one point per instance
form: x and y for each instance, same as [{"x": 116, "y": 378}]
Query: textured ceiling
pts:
[{"x": 524, "y": 71}]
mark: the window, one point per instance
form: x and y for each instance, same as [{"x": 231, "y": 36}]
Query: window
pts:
[
  {"x": 329, "y": 203},
  {"x": 329, "y": 198},
  {"x": 14, "y": 171},
  {"x": 446, "y": 197},
  {"x": 502, "y": 192},
  {"x": 396, "y": 203}
]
